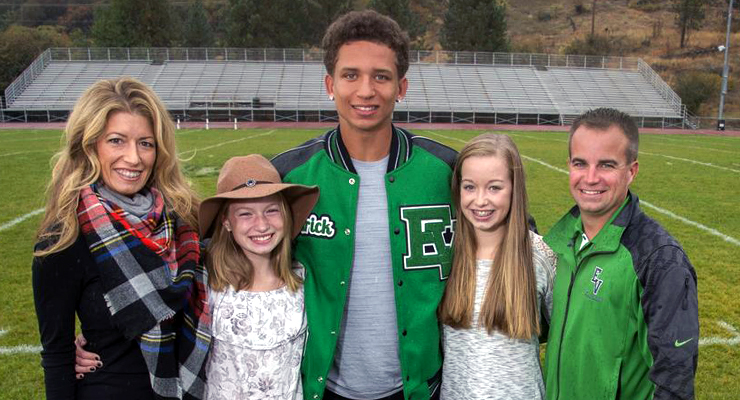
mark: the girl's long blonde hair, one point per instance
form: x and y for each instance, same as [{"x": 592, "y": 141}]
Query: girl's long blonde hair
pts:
[
  {"x": 510, "y": 300},
  {"x": 77, "y": 164},
  {"x": 228, "y": 265}
]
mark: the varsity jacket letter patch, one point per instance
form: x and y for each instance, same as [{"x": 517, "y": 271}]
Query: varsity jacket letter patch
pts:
[{"x": 430, "y": 230}]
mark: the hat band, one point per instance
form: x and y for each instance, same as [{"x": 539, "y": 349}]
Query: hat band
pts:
[{"x": 250, "y": 183}]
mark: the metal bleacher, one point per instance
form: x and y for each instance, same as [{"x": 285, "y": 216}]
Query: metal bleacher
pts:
[{"x": 287, "y": 84}]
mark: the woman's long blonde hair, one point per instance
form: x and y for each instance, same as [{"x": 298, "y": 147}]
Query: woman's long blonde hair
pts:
[
  {"x": 77, "y": 164},
  {"x": 510, "y": 300},
  {"x": 227, "y": 264}
]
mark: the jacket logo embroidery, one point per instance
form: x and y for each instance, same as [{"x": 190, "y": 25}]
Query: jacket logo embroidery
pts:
[
  {"x": 596, "y": 281},
  {"x": 322, "y": 227},
  {"x": 430, "y": 230}
]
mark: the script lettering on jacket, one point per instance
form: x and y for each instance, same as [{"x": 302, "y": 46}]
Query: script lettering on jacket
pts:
[{"x": 322, "y": 226}]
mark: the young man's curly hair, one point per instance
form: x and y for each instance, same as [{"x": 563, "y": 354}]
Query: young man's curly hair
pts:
[{"x": 370, "y": 26}]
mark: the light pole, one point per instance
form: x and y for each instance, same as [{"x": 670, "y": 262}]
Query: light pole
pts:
[{"x": 725, "y": 72}]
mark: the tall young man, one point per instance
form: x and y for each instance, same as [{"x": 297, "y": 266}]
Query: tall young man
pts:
[
  {"x": 625, "y": 319},
  {"x": 378, "y": 246}
]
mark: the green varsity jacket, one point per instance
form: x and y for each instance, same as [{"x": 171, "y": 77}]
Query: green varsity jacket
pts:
[{"x": 421, "y": 222}]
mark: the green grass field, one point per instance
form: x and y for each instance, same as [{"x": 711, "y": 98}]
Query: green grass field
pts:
[{"x": 689, "y": 183}]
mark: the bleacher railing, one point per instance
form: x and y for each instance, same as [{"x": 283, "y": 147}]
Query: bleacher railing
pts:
[
  {"x": 659, "y": 84},
  {"x": 23, "y": 80},
  {"x": 163, "y": 54},
  {"x": 522, "y": 59}
]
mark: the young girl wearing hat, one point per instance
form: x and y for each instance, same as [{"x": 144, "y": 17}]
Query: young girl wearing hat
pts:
[
  {"x": 501, "y": 280},
  {"x": 259, "y": 325}
]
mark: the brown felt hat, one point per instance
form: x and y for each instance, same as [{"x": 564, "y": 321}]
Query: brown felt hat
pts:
[{"x": 251, "y": 177}]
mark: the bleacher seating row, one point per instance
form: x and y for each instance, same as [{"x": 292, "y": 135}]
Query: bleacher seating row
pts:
[{"x": 300, "y": 86}]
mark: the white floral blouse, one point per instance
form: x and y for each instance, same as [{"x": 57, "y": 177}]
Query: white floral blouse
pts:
[{"x": 257, "y": 345}]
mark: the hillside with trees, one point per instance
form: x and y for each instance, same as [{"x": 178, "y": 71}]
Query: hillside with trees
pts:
[{"x": 678, "y": 38}]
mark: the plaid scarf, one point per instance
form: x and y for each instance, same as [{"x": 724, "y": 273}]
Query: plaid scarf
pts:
[{"x": 154, "y": 288}]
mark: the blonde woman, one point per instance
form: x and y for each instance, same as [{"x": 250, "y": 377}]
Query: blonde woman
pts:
[
  {"x": 118, "y": 248},
  {"x": 501, "y": 280}
]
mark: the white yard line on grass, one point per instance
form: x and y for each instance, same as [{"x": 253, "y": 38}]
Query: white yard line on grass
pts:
[
  {"x": 195, "y": 151},
  {"x": 661, "y": 136},
  {"x": 187, "y": 131},
  {"x": 540, "y": 138},
  {"x": 55, "y": 137},
  {"x": 699, "y": 148},
  {"x": 685, "y": 140},
  {"x": 735, "y": 139},
  {"x": 23, "y": 348},
  {"x": 706, "y": 164},
  {"x": 20, "y": 219},
  {"x": 711, "y": 231},
  {"x": 732, "y": 341},
  {"x": 24, "y": 152},
  {"x": 544, "y": 164},
  {"x": 652, "y": 154}
]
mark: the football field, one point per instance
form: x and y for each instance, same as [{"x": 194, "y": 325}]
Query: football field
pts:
[{"x": 689, "y": 183}]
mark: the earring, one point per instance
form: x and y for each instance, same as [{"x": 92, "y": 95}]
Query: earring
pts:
[
  {"x": 398, "y": 100},
  {"x": 228, "y": 227},
  {"x": 331, "y": 97}
]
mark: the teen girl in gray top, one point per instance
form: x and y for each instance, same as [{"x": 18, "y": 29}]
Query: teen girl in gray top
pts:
[{"x": 501, "y": 280}]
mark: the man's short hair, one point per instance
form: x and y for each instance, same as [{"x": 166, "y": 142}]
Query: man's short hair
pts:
[
  {"x": 370, "y": 26},
  {"x": 603, "y": 119}
]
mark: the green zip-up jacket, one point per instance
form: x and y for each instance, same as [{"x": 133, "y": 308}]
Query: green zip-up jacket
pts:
[
  {"x": 421, "y": 226},
  {"x": 625, "y": 321}
]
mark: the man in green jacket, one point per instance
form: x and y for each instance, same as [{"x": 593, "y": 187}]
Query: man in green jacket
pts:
[
  {"x": 625, "y": 319},
  {"x": 378, "y": 246}
]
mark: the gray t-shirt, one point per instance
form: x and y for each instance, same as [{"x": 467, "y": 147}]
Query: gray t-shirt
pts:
[
  {"x": 366, "y": 363},
  {"x": 482, "y": 366}
]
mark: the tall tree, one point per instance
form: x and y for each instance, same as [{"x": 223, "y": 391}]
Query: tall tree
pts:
[
  {"x": 198, "y": 32},
  {"x": 400, "y": 11},
  {"x": 128, "y": 23},
  {"x": 39, "y": 12},
  {"x": 255, "y": 23},
  {"x": 237, "y": 31},
  {"x": 689, "y": 16},
  {"x": 320, "y": 14},
  {"x": 107, "y": 31},
  {"x": 217, "y": 14},
  {"x": 77, "y": 17},
  {"x": 8, "y": 17},
  {"x": 475, "y": 25},
  {"x": 20, "y": 45}
]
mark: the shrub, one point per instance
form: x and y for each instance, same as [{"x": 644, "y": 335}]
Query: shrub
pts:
[
  {"x": 603, "y": 45},
  {"x": 647, "y": 5},
  {"x": 696, "y": 87},
  {"x": 590, "y": 45},
  {"x": 556, "y": 10}
]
